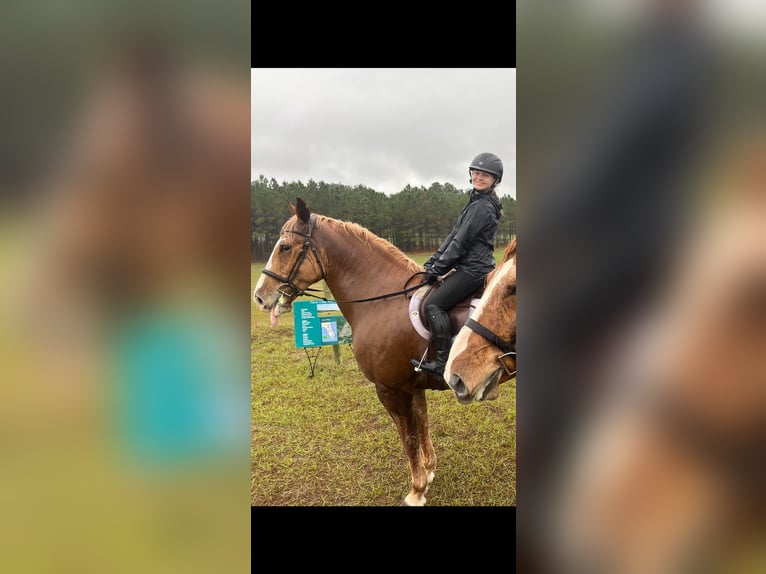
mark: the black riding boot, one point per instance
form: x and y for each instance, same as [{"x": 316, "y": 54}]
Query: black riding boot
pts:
[{"x": 441, "y": 337}]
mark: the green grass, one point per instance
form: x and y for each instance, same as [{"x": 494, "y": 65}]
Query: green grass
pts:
[{"x": 328, "y": 441}]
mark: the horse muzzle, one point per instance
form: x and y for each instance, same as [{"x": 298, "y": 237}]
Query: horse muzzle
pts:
[
  {"x": 278, "y": 303},
  {"x": 488, "y": 390},
  {"x": 458, "y": 387}
]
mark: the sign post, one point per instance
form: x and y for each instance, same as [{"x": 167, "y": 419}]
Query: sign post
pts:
[
  {"x": 335, "y": 348},
  {"x": 318, "y": 324}
]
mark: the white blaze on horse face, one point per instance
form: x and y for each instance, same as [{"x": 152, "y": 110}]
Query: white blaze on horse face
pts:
[
  {"x": 262, "y": 278},
  {"x": 460, "y": 344}
]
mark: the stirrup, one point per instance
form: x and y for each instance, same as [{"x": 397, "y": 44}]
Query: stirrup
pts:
[{"x": 416, "y": 363}]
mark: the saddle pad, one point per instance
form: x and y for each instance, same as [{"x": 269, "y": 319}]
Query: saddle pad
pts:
[{"x": 416, "y": 319}]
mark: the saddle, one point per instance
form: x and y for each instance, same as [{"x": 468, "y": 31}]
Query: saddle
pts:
[{"x": 458, "y": 314}]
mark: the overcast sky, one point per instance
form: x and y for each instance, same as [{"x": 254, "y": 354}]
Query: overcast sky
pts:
[{"x": 383, "y": 128}]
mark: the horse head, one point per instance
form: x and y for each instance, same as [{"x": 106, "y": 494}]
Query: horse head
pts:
[
  {"x": 294, "y": 264},
  {"x": 483, "y": 354}
]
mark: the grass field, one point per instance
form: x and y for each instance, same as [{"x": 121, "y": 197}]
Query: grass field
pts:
[{"x": 328, "y": 441}]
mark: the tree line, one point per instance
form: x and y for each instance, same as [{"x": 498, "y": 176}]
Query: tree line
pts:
[{"x": 416, "y": 219}]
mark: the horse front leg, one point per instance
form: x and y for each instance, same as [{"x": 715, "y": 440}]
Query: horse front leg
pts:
[
  {"x": 401, "y": 408},
  {"x": 420, "y": 406}
]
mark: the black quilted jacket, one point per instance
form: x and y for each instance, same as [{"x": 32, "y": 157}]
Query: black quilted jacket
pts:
[{"x": 471, "y": 243}]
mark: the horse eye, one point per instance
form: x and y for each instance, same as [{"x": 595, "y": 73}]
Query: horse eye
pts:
[{"x": 284, "y": 248}]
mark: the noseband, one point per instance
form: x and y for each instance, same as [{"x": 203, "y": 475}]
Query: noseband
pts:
[
  {"x": 508, "y": 347},
  {"x": 288, "y": 281}
]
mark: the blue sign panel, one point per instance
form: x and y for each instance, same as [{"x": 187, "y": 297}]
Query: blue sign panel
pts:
[{"x": 319, "y": 323}]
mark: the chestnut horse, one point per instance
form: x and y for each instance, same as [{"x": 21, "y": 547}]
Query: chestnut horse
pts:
[
  {"x": 483, "y": 354},
  {"x": 358, "y": 265}
]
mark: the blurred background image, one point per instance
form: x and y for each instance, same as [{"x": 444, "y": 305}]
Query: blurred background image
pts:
[
  {"x": 124, "y": 162},
  {"x": 641, "y": 205},
  {"x": 125, "y": 286}
]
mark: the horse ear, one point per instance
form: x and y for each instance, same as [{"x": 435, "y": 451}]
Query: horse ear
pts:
[
  {"x": 292, "y": 207},
  {"x": 302, "y": 211}
]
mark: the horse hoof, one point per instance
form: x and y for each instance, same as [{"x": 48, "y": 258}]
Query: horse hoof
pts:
[{"x": 411, "y": 500}]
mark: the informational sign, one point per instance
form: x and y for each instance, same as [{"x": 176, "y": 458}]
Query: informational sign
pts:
[{"x": 319, "y": 323}]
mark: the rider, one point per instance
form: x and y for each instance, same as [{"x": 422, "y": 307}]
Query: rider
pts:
[{"x": 469, "y": 249}]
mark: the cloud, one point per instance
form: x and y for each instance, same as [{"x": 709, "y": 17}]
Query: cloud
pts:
[{"x": 382, "y": 128}]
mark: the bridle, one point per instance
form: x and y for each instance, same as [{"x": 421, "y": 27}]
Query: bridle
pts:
[
  {"x": 508, "y": 347},
  {"x": 287, "y": 282}
]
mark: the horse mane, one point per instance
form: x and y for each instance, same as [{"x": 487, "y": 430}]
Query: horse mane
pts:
[
  {"x": 510, "y": 253},
  {"x": 371, "y": 240}
]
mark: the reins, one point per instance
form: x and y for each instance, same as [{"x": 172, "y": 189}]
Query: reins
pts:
[{"x": 385, "y": 296}]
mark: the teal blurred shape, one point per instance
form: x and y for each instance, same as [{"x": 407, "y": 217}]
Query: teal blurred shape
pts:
[{"x": 181, "y": 388}]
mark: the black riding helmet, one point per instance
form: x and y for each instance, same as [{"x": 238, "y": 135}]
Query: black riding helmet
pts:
[{"x": 488, "y": 162}]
